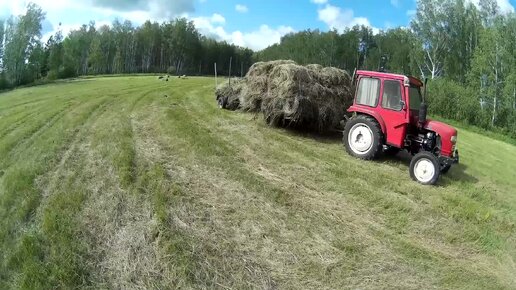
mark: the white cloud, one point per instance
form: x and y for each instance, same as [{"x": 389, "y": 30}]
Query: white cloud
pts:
[
  {"x": 257, "y": 39},
  {"x": 217, "y": 18},
  {"x": 71, "y": 13},
  {"x": 158, "y": 8},
  {"x": 261, "y": 38},
  {"x": 241, "y": 8},
  {"x": 340, "y": 19},
  {"x": 319, "y": 1},
  {"x": 505, "y": 5},
  {"x": 395, "y": 3}
]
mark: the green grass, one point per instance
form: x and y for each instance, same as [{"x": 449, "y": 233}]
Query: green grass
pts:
[{"x": 130, "y": 182}]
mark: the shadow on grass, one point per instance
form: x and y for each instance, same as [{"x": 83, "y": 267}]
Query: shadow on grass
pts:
[
  {"x": 456, "y": 173},
  {"x": 327, "y": 137}
]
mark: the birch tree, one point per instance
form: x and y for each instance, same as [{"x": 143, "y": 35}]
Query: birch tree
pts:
[
  {"x": 22, "y": 38},
  {"x": 491, "y": 67},
  {"x": 431, "y": 27},
  {"x": 2, "y": 33}
]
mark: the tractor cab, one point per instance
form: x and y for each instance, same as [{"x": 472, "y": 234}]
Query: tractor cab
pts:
[{"x": 389, "y": 115}]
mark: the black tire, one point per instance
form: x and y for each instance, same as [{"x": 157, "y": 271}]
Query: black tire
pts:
[
  {"x": 391, "y": 151},
  {"x": 372, "y": 127},
  {"x": 421, "y": 176},
  {"x": 445, "y": 169}
]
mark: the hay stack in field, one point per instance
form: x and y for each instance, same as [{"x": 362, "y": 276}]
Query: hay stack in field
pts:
[
  {"x": 314, "y": 67},
  {"x": 307, "y": 97},
  {"x": 257, "y": 84},
  {"x": 230, "y": 95}
]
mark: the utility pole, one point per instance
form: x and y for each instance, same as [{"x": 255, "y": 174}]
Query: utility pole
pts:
[
  {"x": 230, "y": 62},
  {"x": 216, "y": 84},
  {"x": 514, "y": 97}
]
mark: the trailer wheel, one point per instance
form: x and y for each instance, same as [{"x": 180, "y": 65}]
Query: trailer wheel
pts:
[
  {"x": 221, "y": 102},
  {"x": 363, "y": 137},
  {"x": 425, "y": 168}
]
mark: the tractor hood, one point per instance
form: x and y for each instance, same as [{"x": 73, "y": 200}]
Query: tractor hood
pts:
[{"x": 446, "y": 132}]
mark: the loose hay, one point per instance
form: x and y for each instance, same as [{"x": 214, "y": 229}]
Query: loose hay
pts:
[
  {"x": 311, "y": 97},
  {"x": 257, "y": 83},
  {"x": 230, "y": 93}
]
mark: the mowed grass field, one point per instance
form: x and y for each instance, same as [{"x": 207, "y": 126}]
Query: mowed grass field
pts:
[{"x": 134, "y": 183}]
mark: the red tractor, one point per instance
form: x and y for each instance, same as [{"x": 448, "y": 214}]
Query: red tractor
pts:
[{"x": 389, "y": 115}]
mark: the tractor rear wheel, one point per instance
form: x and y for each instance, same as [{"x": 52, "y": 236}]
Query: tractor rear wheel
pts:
[
  {"x": 425, "y": 168},
  {"x": 363, "y": 137}
]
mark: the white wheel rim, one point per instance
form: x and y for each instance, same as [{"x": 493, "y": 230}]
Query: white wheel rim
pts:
[
  {"x": 360, "y": 139},
  {"x": 424, "y": 170}
]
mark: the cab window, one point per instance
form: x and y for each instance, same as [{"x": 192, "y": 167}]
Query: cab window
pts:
[
  {"x": 392, "y": 96},
  {"x": 368, "y": 92},
  {"x": 415, "y": 98}
]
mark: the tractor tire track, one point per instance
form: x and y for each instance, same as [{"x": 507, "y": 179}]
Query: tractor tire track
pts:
[
  {"x": 47, "y": 183},
  {"x": 128, "y": 254},
  {"x": 17, "y": 148},
  {"x": 9, "y": 108},
  {"x": 19, "y": 121},
  {"x": 70, "y": 148}
]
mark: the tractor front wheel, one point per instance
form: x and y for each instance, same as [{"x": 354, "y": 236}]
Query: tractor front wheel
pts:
[
  {"x": 425, "y": 168},
  {"x": 363, "y": 137}
]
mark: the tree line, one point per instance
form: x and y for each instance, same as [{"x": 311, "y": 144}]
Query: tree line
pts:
[
  {"x": 468, "y": 52},
  {"x": 174, "y": 47}
]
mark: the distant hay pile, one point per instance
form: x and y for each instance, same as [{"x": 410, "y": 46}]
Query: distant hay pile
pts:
[{"x": 291, "y": 95}]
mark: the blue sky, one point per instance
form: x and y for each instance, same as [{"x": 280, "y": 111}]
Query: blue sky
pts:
[
  {"x": 302, "y": 14},
  {"x": 251, "y": 23}
]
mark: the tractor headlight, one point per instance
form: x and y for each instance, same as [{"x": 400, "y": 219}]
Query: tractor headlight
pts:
[{"x": 454, "y": 139}]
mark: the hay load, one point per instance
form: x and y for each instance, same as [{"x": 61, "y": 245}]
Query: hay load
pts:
[
  {"x": 288, "y": 100},
  {"x": 291, "y": 95},
  {"x": 306, "y": 97},
  {"x": 257, "y": 84}
]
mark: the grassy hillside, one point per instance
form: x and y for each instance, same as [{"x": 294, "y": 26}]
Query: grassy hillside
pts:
[{"x": 131, "y": 182}]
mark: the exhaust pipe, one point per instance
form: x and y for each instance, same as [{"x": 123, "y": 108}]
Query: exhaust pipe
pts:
[
  {"x": 423, "y": 108},
  {"x": 422, "y": 113}
]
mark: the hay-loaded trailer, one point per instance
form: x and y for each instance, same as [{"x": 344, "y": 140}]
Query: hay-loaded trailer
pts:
[{"x": 388, "y": 115}]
